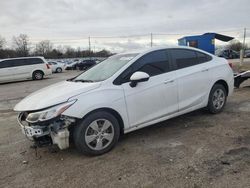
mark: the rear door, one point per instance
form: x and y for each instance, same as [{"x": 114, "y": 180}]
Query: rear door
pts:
[
  {"x": 193, "y": 78},
  {"x": 32, "y": 64},
  {"x": 21, "y": 69}
]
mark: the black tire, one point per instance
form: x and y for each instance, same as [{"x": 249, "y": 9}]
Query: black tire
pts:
[
  {"x": 37, "y": 75},
  {"x": 83, "y": 127},
  {"x": 58, "y": 70},
  {"x": 85, "y": 68},
  {"x": 220, "y": 104}
]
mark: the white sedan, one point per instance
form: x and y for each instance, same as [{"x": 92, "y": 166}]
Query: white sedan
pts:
[
  {"x": 124, "y": 93},
  {"x": 56, "y": 67}
]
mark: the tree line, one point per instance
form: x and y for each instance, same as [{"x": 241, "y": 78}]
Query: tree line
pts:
[{"x": 21, "y": 47}]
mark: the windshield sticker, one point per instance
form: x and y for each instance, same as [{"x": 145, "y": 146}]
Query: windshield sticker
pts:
[{"x": 126, "y": 58}]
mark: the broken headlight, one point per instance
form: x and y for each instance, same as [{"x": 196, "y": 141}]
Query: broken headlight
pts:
[{"x": 48, "y": 113}]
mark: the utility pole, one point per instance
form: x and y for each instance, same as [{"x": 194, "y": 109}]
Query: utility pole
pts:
[
  {"x": 244, "y": 39},
  {"x": 242, "y": 52},
  {"x": 89, "y": 49},
  {"x": 151, "y": 43}
]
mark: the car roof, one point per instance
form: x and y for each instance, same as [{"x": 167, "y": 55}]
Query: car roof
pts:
[
  {"x": 147, "y": 50},
  {"x": 40, "y": 57}
]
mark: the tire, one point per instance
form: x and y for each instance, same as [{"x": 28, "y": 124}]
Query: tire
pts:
[
  {"x": 58, "y": 70},
  {"x": 85, "y": 68},
  {"x": 37, "y": 75},
  {"x": 91, "y": 138},
  {"x": 217, "y": 99}
]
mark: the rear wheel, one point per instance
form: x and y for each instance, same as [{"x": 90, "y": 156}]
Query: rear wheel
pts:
[
  {"x": 38, "y": 75},
  {"x": 58, "y": 70},
  {"x": 96, "y": 134},
  {"x": 217, "y": 99}
]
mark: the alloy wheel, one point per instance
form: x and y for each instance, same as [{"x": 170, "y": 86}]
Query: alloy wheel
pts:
[
  {"x": 99, "y": 134},
  {"x": 38, "y": 76},
  {"x": 218, "y": 99},
  {"x": 59, "y": 70}
]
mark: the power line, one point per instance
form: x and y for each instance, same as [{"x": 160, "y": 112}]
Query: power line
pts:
[
  {"x": 128, "y": 36},
  {"x": 148, "y": 36},
  {"x": 131, "y": 36}
]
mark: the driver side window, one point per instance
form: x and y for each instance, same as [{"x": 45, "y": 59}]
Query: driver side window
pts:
[{"x": 153, "y": 63}]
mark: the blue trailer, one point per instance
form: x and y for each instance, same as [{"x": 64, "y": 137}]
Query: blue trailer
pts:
[{"x": 204, "y": 42}]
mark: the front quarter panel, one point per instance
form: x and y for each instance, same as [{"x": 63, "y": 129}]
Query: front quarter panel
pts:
[{"x": 112, "y": 98}]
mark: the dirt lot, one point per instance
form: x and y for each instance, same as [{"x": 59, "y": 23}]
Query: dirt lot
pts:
[
  {"x": 236, "y": 64},
  {"x": 194, "y": 150}
]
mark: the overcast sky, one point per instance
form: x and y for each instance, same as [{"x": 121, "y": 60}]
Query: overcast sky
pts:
[{"x": 70, "y": 22}]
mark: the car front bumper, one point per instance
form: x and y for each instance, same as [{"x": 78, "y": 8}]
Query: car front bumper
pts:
[{"x": 51, "y": 132}]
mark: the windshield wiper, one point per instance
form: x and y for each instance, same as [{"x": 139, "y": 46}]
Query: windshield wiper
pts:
[{"x": 81, "y": 80}]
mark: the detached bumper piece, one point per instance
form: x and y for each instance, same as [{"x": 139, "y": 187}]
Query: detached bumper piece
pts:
[
  {"x": 240, "y": 78},
  {"x": 61, "y": 138},
  {"x": 54, "y": 131}
]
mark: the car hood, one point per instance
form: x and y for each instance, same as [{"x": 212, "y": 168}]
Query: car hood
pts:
[{"x": 54, "y": 94}]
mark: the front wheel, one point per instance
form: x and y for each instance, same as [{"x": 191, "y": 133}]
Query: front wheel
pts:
[
  {"x": 96, "y": 134},
  {"x": 217, "y": 99}
]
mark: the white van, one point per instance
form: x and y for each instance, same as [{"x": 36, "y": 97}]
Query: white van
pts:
[{"x": 23, "y": 68}]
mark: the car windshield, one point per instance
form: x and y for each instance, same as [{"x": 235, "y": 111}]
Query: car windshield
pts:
[{"x": 105, "y": 69}]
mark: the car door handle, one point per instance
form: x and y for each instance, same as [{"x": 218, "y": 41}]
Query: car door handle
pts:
[
  {"x": 168, "y": 81},
  {"x": 204, "y": 70}
]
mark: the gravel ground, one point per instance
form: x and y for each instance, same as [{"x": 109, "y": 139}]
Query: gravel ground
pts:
[{"x": 194, "y": 150}]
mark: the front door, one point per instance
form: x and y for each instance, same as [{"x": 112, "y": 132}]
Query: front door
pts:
[{"x": 155, "y": 98}]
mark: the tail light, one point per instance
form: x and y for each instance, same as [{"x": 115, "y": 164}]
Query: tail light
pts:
[
  {"x": 47, "y": 65},
  {"x": 230, "y": 64}
]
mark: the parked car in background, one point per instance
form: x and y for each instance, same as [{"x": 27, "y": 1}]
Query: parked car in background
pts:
[
  {"x": 85, "y": 64},
  {"x": 14, "y": 69},
  {"x": 227, "y": 54},
  {"x": 57, "y": 67},
  {"x": 71, "y": 65},
  {"x": 247, "y": 53},
  {"x": 98, "y": 61},
  {"x": 124, "y": 93}
]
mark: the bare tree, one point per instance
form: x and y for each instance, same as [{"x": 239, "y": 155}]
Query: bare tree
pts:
[
  {"x": 43, "y": 48},
  {"x": 21, "y": 44},
  {"x": 69, "y": 51},
  {"x": 2, "y": 42},
  {"x": 236, "y": 45}
]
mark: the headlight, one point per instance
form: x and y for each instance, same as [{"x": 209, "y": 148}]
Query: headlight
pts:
[{"x": 49, "y": 113}]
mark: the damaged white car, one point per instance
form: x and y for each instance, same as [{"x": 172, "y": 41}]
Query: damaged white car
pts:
[{"x": 123, "y": 93}]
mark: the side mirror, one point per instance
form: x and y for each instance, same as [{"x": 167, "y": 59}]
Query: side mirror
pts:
[{"x": 138, "y": 77}]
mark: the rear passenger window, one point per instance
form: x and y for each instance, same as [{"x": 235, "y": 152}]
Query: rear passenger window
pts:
[
  {"x": 32, "y": 61},
  {"x": 202, "y": 58},
  {"x": 154, "y": 63},
  {"x": 184, "y": 58},
  {"x": 19, "y": 62}
]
